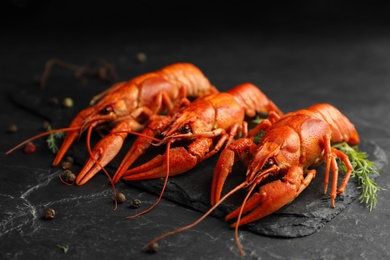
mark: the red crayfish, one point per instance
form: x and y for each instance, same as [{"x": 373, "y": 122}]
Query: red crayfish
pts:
[
  {"x": 129, "y": 106},
  {"x": 290, "y": 148}
]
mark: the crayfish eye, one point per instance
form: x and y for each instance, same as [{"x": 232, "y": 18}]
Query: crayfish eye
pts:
[
  {"x": 185, "y": 129},
  {"x": 269, "y": 163},
  {"x": 106, "y": 110}
]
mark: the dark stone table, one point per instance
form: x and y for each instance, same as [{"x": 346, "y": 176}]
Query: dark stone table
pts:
[{"x": 344, "y": 62}]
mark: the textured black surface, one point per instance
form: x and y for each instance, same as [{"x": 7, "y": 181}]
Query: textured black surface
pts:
[{"x": 343, "y": 60}]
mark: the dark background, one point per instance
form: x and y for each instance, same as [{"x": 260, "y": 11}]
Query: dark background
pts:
[
  {"x": 298, "y": 52},
  {"x": 183, "y": 14}
]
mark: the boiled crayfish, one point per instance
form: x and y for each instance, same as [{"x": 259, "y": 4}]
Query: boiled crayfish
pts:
[
  {"x": 151, "y": 94},
  {"x": 289, "y": 150},
  {"x": 128, "y": 106}
]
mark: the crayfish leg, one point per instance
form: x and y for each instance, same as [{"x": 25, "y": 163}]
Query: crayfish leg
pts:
[{"x": 344, "y": 158}]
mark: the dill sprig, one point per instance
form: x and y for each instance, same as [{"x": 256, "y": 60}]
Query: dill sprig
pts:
[
  {"x": 64, "y": 247},
  {"x": 257, "y": 120},
  {"x": 51, "y": 140},
  {"x": 362, "y": 170},
  {"x": 258, "y": 137}
]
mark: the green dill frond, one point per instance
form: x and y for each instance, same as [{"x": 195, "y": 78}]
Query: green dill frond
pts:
[
  {"x": 257, "y": 120},
  {"x": 51, "y": 140},
  {"x": 362, "y": 170},
  {"x": 258, "y": 137}
]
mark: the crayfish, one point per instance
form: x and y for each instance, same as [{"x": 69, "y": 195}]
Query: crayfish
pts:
[
  {"x": 291, "y": 147},
  {"x": 128, "y": 106}
]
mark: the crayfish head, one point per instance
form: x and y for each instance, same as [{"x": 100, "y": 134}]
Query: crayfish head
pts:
[
  {"x": 109, "y": 109},
  {"x": 96, "y": 117},
  {"x": 279, "y": 150},
  {"x": 187, "y": 126},
  {"x": 265, "y": 163}
]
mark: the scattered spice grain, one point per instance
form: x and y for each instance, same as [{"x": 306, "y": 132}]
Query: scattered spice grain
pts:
[
  {"x": 45, "y": 125},
  {"x": 50, "y": 214},
  {"x": 153, "y": 248},
  {"x": 135, "y": 203},
  {"x": 29, "y": 148},
  {"x": 12, "y": 128},
  {"x": 68, "y": 176},
  {"x": 120, "y": 198},
  {"x": 68, "y": 102},
  {"x": 141, "y": 57}
]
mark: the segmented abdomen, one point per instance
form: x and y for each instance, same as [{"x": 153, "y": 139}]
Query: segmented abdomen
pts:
[
  {"x": 342, "y": 128},
  {"x": 188, "y": 75},
  {"x": 253, "y": 100}
]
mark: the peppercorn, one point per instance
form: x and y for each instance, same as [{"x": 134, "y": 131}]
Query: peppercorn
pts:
[
  {"x": 120, "y": 198},
  {"x": 141, "y": 57},
  {"x": 49, "y": 214},
  {"x": 153, "y": 248},
  {"x": 45, "y": 125},
  {"x": 66, "y": 165},
  {"x": 68, "y": 176},
  {"x": 12, "y": 128},
  {"x": 68, "y": 102},
  {"x": 68, "y": 159},
  {"x": 135, "y": 203},
  {"x": 29, "y": 148}
]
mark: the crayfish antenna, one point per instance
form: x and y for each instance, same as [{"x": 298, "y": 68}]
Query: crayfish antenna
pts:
[
  {"x": 162, "y": 190},
  {"x": 41, "y": 135},
  {"x": 242, "y": 185},
  {"x": 239, "y": 218}
]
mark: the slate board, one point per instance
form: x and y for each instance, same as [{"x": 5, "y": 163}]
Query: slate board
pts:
[{"x": 305, "y": 215}]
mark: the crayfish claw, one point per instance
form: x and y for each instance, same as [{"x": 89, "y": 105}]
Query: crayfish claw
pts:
[
  {"x": 180, "y": 161},
  {"x": 103, "y": 152},
  {"x": 271, "y": 197}
]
